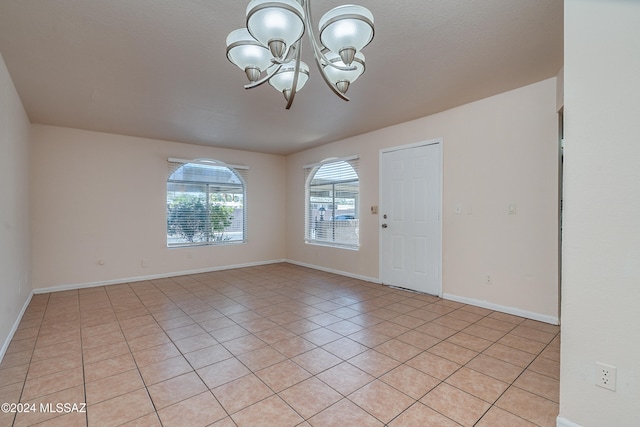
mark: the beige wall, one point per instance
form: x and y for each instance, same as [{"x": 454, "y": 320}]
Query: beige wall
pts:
[
  {"x": 15, "y": 277},
  {"x": 497, "y": 151},
  {"x": 99, "y": 196},
  {"x": 601, "y": 252}
]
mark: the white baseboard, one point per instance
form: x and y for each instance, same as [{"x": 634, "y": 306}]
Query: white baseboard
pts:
[
  {"x": 13, "y": 330},
  {"x": 151, "y": 277},
  {"x": 479, "y": 303},
  {"x": 563, "y": 422},
  {"x": 339, "y": 272},
  {"x": 6, "y": 343},
  {"x": 504, "y": 309}
]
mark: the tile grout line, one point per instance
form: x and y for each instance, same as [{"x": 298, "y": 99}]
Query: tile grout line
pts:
[
  {"x": 248, "y": 290},
  {"x": 24, "y": 384}
]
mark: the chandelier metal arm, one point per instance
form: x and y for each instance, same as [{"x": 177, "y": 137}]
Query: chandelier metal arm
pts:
[
  {"x": 290, "y": 55},
  {"x": 277, "y": 64},
  {"x": 333, "y": 87},
  {"x": 309, "y": 27},
  {"x": 338, "y": 67},
  {"x": 294, "y": 84},
  {"x": 274, "y": 69},
  {"x": 317, "y": 52}
]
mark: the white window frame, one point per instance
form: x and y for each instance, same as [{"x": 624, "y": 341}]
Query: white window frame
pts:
[
  {"x": 321, "y": 228},
  {"x": 211, "y": 237}
]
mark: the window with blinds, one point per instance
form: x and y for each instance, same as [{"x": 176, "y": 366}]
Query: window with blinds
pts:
[
  {"x": 333, "y": 203},
  {"x": 206, "y": 203}
]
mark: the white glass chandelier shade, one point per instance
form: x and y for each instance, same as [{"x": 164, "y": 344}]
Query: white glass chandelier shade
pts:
[
  {"x": 343, "y": 78},
  {"x": 282, "y": 81},
  {"x": 276, "y": 24},
  {"x": 249, "y": 55},
  {"x": 346, "y": 30}
]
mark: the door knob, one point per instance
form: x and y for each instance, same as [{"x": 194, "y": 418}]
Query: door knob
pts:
[{"x": 384, "y": 225}]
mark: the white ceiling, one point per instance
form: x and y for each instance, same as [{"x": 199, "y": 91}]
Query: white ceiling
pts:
[{"x": 158, "y": 68}]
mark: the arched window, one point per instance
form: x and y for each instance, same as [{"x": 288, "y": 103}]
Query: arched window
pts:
[
  {"x": 333, "y": 202},
  {"x": 206, "y": 203}
]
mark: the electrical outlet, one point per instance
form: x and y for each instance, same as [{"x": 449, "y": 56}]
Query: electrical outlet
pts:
[
  {"x": 606, "y": 376},
  {"x": 144, "y": 263},
  {"x": 487, "y": 279}
]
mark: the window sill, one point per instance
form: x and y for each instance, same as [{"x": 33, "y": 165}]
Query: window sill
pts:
[{"x": 332, "y": 245}]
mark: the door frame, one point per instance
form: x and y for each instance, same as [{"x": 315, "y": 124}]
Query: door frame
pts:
[{"x": 436, "y": 141}]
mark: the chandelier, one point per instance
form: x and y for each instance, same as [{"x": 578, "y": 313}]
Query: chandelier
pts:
[{"x": 268, "y": 49}]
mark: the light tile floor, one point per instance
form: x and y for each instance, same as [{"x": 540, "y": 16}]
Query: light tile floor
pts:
[{"x": 276, "y": 345}]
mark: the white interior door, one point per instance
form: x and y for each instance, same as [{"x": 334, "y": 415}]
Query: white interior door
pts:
[{"x": 410, "y": 230}]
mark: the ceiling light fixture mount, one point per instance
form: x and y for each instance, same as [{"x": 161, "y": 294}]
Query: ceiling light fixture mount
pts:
[{"x": 268, "y": 49}]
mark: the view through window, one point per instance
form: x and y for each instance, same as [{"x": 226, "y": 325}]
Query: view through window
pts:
[
  {"x": 205, "y": 204},
  {"x": 332, "y": 211}
]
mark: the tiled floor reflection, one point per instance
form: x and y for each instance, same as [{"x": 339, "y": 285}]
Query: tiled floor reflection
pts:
[{"x": 276, "y": 345}]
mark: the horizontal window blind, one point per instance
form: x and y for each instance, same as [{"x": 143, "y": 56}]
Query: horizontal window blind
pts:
[
  {"x": 206, "y": 203},
  {"x": 332, "y": 203}
]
